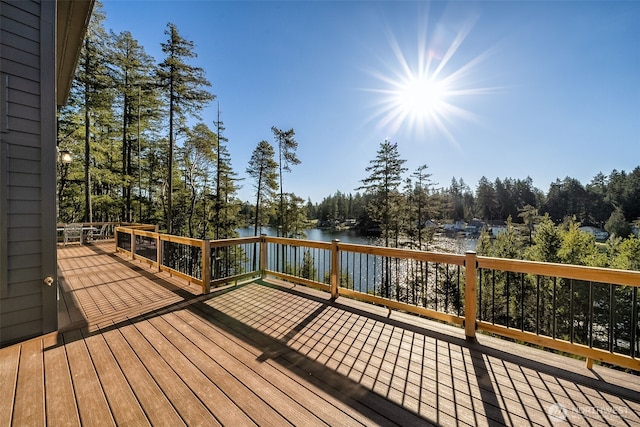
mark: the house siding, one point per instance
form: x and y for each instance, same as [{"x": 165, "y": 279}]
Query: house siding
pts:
[{"x": 27, "y": 169}]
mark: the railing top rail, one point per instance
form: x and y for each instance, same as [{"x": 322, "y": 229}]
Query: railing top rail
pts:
[
  {"x": 403, "y": 253},
  {"x": 179, "y": 239},
  {"x": 62, "y": 224},
  {"x": 234, "y": 241},
  {"x": 566, "y": 271},
  {"x": 139, "y": 226},
  {"x": 145, "y": 233},
  {"x": 298, "y": 242}
]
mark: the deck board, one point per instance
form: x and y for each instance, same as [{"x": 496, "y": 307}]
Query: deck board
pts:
[
  {"x": 146, "y": 381},
  {"x": 29, "y": 398},
  {"x": 9, "y": 363},
  {"x": 314, "y": 403},
  {"x": 122, "y": 402},
  {"x": 140, "y": 347},
  {"x": 252, "y": 384},
  {"x": 60, "y": 399},
  {"x": 92, "y": 404}
]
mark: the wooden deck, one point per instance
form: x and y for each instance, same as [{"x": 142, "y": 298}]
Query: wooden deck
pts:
[{"x": 137, "y": 347}]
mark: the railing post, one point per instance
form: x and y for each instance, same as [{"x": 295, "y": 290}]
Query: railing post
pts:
[
  {"x": 159, "y": 252},
  {"x": 206, "y": 266},
  {"x": 335, "y": 268},
  {"x": 263, "y": 255},
  {"x": 470, "y": 300},
  {"x": 133, "y": 243}
]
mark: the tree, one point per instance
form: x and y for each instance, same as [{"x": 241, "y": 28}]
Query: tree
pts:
[
  {"x": 93, "y": 91},
  {"x": 383, "y": 186},
  {"x": 184, "y": 89},
  {"x": 421, "y": 194},
  {"x": 287, "y": 146},
  {"x": 217, "y": 206},
  {"x": 529, "y": 216},
  {"x": 198, "y": 158},
  {"x": 460, "y": 200},
  {"x": 486, "y": 202},
  {"x": 295, "y": 216},
  {"x": 627, "y": 256},
  {"x": 133, "y": 79},
  {"x": 263, "y": 169},
  {"x": 308, "y": 269},
  {"x": 617, "y": 224},
  {"x": 599, "y": 208},
  {"x": 578, "y": 247},
  {"x": 566, "y": 198}
]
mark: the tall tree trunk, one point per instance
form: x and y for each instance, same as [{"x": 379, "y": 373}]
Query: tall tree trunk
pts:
[
  {"x": 125, "y": 112},
  {"x": 87, "y": 157},
  {"x": 170, "y": 160}
]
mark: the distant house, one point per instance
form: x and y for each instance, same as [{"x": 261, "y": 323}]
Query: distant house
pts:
[
  {"x": 599, "y": 234},
  {"x": 39, "y": 49}
]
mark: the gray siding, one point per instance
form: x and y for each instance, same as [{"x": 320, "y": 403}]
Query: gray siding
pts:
[{"x": 27, "y": 202}]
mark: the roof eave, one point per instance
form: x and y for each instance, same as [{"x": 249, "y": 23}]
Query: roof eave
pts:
[{"x": 72, "y": 21}]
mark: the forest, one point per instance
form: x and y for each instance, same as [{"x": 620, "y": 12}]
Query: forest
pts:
[{"x": 136, "y": 158}]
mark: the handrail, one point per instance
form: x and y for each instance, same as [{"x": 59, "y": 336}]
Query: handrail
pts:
[
  {"x": 409, "y": 278},
  {"x": 593, "y": 274},
  {"x": 403, "y": 253}
]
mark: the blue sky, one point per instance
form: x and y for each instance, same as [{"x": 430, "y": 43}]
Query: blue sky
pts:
[{"x": 507, "y": 89}]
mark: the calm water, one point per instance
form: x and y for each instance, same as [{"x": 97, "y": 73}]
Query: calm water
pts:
[{"x": 440, "y": 243}]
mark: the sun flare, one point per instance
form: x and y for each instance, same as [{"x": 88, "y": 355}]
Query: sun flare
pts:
[{"x": 425, "y": 93}]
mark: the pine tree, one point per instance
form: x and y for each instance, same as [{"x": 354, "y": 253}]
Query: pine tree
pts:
[
  {"x": 264, "y": 171},
  {"x": 93, "y": 90},
  {"x": 227, "y": 217},
  {"x": 133, "y": 77},
  {"x": 184, "y": 87},
  {"x": 287, "y": 146},
  {"x": 383, "y": 184},
  {"x": 421, "y": 194}
]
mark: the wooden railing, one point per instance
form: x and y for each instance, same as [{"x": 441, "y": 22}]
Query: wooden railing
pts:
[{"x": 589, "y": 312}]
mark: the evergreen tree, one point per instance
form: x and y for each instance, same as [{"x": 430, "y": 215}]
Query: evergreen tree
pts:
[
  {"x": 184, "y": 87},
  {"x": 308, "y": 269},
  {"x": 627, "y": 255},
  {"x": 227, "y": 217},
  {"x": 287, "y": 146},
  {"x": 617, "y": 224},
  {"x": 93, "y": 90},
  {"x": 529, "y": 216},
  {"x": 264, "y": 171},
  {"x": 295, "y": 216},
  {"x": 421, "y": 194},
  {"x": 486, "y": 201},
  {"x": 217, "y": 206},
  {"x": 383, "y": 186},
  {"x": 133, "y": 70},
  {"x": 599, "y": 208}
]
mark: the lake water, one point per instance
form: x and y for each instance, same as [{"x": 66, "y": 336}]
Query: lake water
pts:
[{"x": 440, "y": 243}]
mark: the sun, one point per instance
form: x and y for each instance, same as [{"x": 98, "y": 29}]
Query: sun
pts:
[
  {"x": 420, "y": 98},
  {"x": 424, "y": 93}
]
